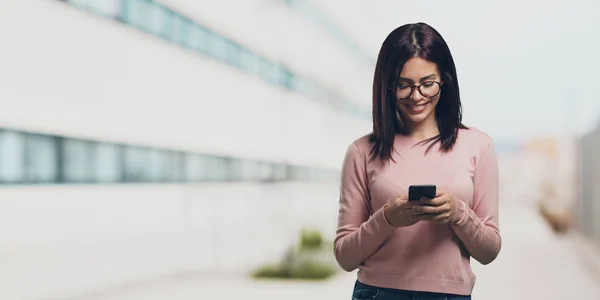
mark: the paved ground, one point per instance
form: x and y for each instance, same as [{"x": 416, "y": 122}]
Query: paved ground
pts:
[{"x": 534, "y": 264}]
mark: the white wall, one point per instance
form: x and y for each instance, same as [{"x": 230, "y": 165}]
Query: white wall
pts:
[
  {"x": 68, "y": 72},
  {"x": 283, "y": 34},
  {"x": 58, "y": 241}
]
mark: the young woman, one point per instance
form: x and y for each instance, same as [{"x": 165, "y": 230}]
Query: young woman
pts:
[{"x": 417, "y": 249}]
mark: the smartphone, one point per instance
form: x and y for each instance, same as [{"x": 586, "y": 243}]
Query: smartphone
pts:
[{"x": 416, "y": 192}]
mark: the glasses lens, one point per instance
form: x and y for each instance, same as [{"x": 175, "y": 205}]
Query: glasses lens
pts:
[
  {"x": 404, "y": 91},
  {"x": 429, "y": 89}
]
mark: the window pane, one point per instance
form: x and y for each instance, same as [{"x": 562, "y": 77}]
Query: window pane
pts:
[
  {"x": 199, "y": 39},
  {"x": 181, "y": 28},
  {"x": 196, "y": 167},
  {"x": 217, "y": 169},
  {"x": 218, "y": 48},
  {"x": 175, "y": 172},
  {"x": 157, "y": 19},
  {"x": 41, "y": 158},
  {"x": 107, "y": 163},
  {"x": 131, "y": 12},
  {"x": 137, "y": 164},
  {"x": 12, "y": 161},
  {"x": 138, "y": 13},
  {"x": 279, "y": 172},
  {"x": 268, "y": 71},
  {"x": 157, "y": 161},
  {"x": 167, "y": 30},
  {"x": 163, "y": 166},
  {"x": 234, "y": 170},
  {"x": 108, "y": 8},
  {"x": 275, "y": 74},
  {"x": 78, "y": 3},
  {"x": 249, "y": 61},
  {"x": 78, "y": 160},
  {"x": 304, "y": 87},
  {"x": 251, "y": 170},
  {"x": 286, "y": 78},
  {"x": 266, "y": 172},
  {"x": 234, "y": 54}
]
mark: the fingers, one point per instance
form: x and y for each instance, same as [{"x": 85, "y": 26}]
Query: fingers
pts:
[
  {"x": 399, "y": 200},
  {"x": 426, "y": 209},
  {"x": 438, "y": 201},
  {"x": 437, "y": 218}
]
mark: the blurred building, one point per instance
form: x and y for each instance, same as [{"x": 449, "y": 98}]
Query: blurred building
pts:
[
  {"x": 541, "y": 172},
  {"x": 588, "y": 208},
  {"x": 140, "y": 138}
]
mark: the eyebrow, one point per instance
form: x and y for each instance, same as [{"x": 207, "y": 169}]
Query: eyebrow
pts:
[{"x": 430, "y": 76}]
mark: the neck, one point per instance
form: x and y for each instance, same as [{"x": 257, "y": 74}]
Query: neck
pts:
[{"x": 423, "y": 130}]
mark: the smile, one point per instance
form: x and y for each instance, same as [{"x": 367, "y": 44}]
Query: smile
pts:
[{"x": 417, "y": 108}]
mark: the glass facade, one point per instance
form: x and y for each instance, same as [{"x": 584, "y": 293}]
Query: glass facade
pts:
[
  {"x": 31, "y": 158},
  {"x": 158, "y": 20},
  {"x": 306, "y": 8}
]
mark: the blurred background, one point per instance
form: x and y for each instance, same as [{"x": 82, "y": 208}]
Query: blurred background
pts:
[{"x": 191, "y": 149}]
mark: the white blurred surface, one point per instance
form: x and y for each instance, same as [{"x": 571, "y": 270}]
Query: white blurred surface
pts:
[
  {"x": 533, "y": 264},
  {"x": 57, "y": 241}
]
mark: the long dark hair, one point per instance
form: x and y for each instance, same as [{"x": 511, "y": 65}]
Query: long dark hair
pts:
[{"x": 405, "y": 42}]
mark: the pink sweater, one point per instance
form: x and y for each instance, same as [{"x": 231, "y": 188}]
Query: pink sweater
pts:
[{"x": 425, "y": 256}]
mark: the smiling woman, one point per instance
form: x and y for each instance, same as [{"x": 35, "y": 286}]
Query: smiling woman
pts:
[
  {"x": 407, "y": 249},
  {"x": 427, "y": 96},
  {"x": 411, "y": 55}
]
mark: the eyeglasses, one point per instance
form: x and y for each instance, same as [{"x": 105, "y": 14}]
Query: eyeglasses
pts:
[{"x": 428, "y": 89}]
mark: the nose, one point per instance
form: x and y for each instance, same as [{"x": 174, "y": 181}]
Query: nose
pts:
[{"x": 416, "y": 94}]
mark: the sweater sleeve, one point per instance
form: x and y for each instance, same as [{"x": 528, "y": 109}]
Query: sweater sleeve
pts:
[
  {"x": 358, "y": 234},
  {"x": 478, "y": 227}
]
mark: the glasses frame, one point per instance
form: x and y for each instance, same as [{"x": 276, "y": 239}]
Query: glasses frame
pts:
[{"x": 418, "y": 86}]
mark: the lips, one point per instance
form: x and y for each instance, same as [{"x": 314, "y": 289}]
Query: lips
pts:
[{"x": 417, "y": 108}]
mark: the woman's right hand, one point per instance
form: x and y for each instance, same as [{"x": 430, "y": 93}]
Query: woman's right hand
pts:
[{"x": 399, "y": 212}]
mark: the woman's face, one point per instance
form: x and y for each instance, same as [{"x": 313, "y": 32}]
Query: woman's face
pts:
[{"x": 419, "y": 104}]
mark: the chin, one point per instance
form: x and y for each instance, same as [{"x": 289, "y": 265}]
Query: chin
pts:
[{"x": 416, "y": 118}]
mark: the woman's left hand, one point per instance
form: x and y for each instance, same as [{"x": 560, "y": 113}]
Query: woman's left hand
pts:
[{"x": 441, "y": 209}]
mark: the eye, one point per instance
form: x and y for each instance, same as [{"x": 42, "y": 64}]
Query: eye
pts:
[
  {"x": 428, "y": 84},
  {"x": 403, "y": 86}
]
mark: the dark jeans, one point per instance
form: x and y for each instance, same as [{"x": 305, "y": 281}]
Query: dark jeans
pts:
[{"x": 366, "y": 292}]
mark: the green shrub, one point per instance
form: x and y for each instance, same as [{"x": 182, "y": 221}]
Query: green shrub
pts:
[
  {"x": 309, "y": 270},
  {"x": 312, "y": 270},
  {"x": 306, "y": 261},
  {"x": 271, "y": 271},
  {"x": 311, "y": 240}
]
